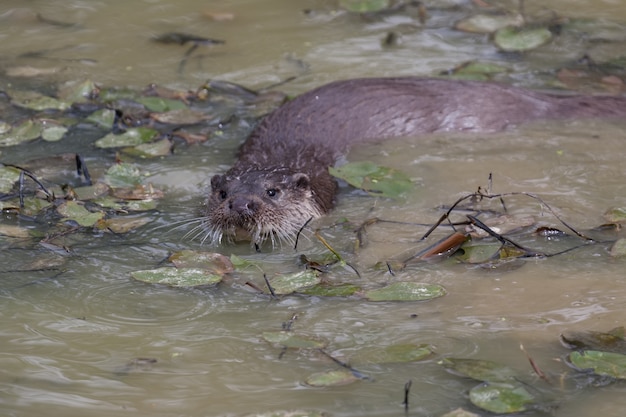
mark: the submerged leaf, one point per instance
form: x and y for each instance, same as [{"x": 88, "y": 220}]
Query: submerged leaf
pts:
[
  {"x": 600, "y": 363},
  {"x": 518, "y": 40},
  {"x": 406, "y": 291},
  {"x": 408, "y": 352},
  {"x": 177, "y": 277},
  {"x": 132, "y": 137},
  {"x": 24, "y": 132},
  {"x": 325, "y": 290},
  {"x": 331, "y": 378},
  {"x": 611, "y": 341},
  {"x": 484, "y": 23},
  {"x": 215, "y": 262},
  {"x": 292, "y": 340},
  {"x": 8, "y": 178},
  {"x": 364, "y": 6},
  {"x": 73, "y": 211},
  {"x": 374, "y": 179},
  {"x": 287, "y": 284},
  {"x": 123, "y": 175},
  {"x": 479, "y": 369},
  {"x": 501, "y": 398}
]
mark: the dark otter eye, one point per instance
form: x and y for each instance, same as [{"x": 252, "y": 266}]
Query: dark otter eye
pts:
[
  {"x": 272, "y": 192},
  {"x": 223, "y": 194}
]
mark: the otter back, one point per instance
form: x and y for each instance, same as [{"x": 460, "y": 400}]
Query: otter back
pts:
[{"x": 289, "y": 152}]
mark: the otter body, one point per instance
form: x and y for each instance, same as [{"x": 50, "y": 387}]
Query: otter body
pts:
[{"x": 280, "y": 179}]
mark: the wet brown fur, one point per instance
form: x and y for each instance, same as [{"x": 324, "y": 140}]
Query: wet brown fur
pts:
[{"x": 281, "y": 178}]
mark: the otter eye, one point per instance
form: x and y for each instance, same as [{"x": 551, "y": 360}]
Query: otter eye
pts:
[
  {"x": 272, "y": 192},
  {"x": 223, "y": 194}
]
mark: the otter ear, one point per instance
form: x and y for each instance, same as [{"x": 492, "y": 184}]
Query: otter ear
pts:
[
  {"x": 217, "y": 181},
  {"x": 300, "y": 180}
]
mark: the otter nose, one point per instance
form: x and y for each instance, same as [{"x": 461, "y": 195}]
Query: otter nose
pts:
[{"x": 242, "y": 205}]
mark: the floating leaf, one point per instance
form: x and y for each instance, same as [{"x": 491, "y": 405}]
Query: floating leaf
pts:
[
  {"x": 215, "y": 262},
  {"x": 374, "y": 179},
  {"x": 122, "y": 224},
  {"x": 123, "y": 175},
  {"x": 459, "y": 412},
  {"x": 474, "y": 70},
  {"x": 619, "y": 248},
  {"x": 409, "y": 352},
  {"x": 406, "y": 291},
  {"x": 292, "y": 340},
  {"x": 36, "y": 101},
  {"x": 331, "y": 378},
  {"x": 159, "y": 148},
  {"x": 103, "y": 118},
  {"x": 287, "y": 284},
  {"x": 518, "y": 40},
  {"x": 484, "y": 23},
  {"x": 160, "y": 104},
  {"x": 13, "y": 231},
  {"x": 183, "y": 116},
  {"x": 364, "y": 6},
  {"x": 326, "y": 290},
  {"x": 24, "y": 132},
  {"x": 132, "y": 137},
  {"x": 78, "y": 92},
  {"x": 501, "y": 398},
  {"x": 611, "y": 341},
  {"x": 177, "y": 277},
  {"x": 8, "y": 178},
  {"x": 53, "y": 133},
  {"x": 480, "y": 370},
  {"x": 72, "y": 210},
  {"x": 91, "y": 192},
  {"x": 600, "y": 363},
  {"x": 138, "y": 192},
  {"x": 290, "y": 413}
]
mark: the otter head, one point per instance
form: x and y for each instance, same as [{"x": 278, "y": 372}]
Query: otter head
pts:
[{"x": 259, "y": 204}]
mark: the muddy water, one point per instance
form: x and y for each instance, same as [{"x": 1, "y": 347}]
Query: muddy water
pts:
[{"x": 83, "y": 340}]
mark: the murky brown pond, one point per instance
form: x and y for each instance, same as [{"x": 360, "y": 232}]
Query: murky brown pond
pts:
[{"x": 72, "y": 340}]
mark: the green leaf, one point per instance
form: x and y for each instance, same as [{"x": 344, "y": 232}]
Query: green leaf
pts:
[
  {"x": 501, "y": 398},
  {"x": 326, "y": 290},
  {"x": 518, "y": 40},
  {"x": 601, "y": 363},
  {"x": 24, "y": 132},
  {"x": 36, "y": 101},
  {"x": 364, "y": 6},
  {"x": 406, "y": 291},
  {"x": 480, "y": 370},
  {"x": 331, "y": 378},
  {"x": 292, "y": 340},
  {"x": 611, "y": 341},
  {"x": 287, "y": 284},
  {"x": 215, "y": 262},
  {"x": 177, "y": 277},
  {"x": 374, "y": 179},
  {"x": 484, "y": 23},
  {"x": 53, "y": 133},
  {"x": 409, "y": 352},
  {"x": 123, "y": 175},
  {"x": 132, "y": 137},
  {"x": 150, "y": 150},
  {"x": 8, "y": 178},
  {"x": 78, "y": 92},
  {"x": 72, "y": 210},
  {"x": 103, "y": 118},
  {"x": 159, "y": 104}
]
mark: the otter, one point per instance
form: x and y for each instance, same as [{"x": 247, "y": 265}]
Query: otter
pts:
[{"x": 280, "y": 179}]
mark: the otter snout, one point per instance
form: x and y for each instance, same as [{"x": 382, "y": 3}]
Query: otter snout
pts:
[{"x": 243, "y": 205}]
